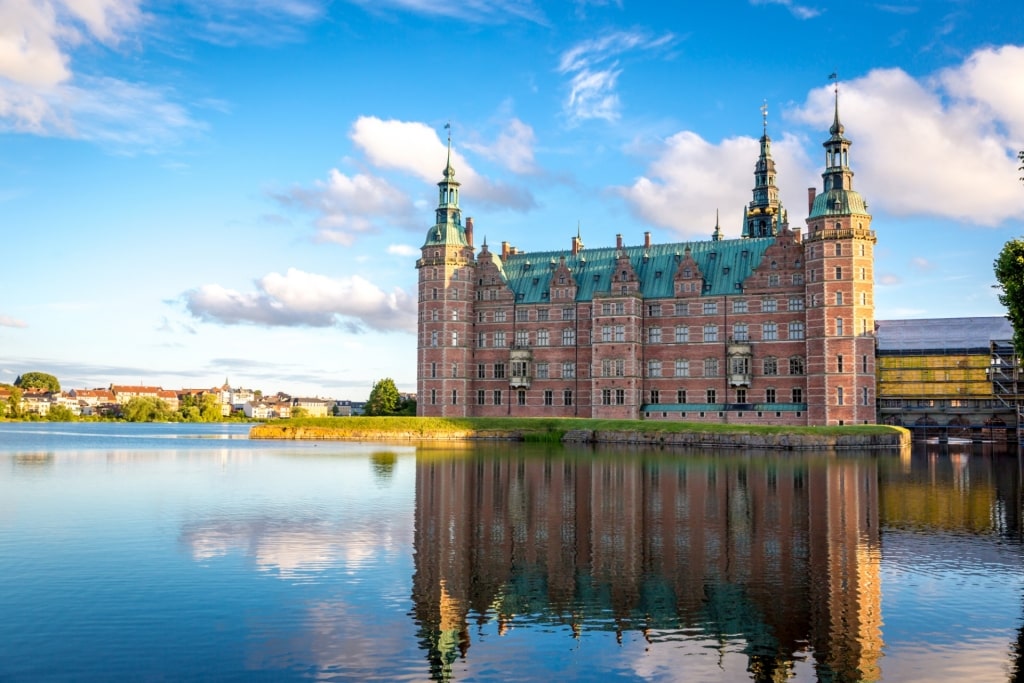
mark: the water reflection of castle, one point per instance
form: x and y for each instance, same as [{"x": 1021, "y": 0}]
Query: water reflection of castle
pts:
[{"x": 782, "y": 554}]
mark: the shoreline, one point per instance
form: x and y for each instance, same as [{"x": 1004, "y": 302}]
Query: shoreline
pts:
[{"x": 578, "y": 432}]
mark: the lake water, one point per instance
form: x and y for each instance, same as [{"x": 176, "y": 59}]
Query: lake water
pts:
[{"x": 181, "y": 553}]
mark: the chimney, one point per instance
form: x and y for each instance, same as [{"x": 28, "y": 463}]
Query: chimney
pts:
[
  {"x": 647, "y": 240},
  {"x": 505, "y": 251},
  {"x": 618, "y": 241},
  {"x": 469, "y": 231},
  {"x": 811, "y": 194}
]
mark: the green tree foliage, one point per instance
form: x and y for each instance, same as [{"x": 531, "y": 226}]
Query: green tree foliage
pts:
[
  {"x": 383, "y": 399},
  {"x": 12, "y": 406},
  {"x": 299, "y": 411},
  {"x": 145, "y": 409},
  {"x": 406, "y": 407},
  {"x": 38, "y": 380},
  {"x": 60, "y": 413},
  {"x": 209, "y": 408},
  {"x": 1009, "y": 269}
]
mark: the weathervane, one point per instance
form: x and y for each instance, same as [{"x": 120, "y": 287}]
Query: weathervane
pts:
[
  {"x": 764, "y": 115},
  {"x": 834, "y": 77}
]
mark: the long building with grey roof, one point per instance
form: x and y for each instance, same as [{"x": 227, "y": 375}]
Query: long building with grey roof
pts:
[{"x": 775, "y": 326}]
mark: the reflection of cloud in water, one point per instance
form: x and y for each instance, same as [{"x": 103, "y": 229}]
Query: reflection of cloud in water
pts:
[{"x": 294, "y": 547}]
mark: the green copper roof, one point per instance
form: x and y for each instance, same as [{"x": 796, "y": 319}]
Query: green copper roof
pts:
[
  {"x": 446, "y": 234},
  {"x": 838, "y": 203},
  {"x": 724, "y": 264}
]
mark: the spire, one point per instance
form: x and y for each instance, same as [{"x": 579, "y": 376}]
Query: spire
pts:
[
  {"x": 717, "y": 234},
  {"x": 837, "y": 128},
  {"x": 449, "y": 172},
  {"x": 760, "y": 218},
  {"x": 838, "y": 196}
]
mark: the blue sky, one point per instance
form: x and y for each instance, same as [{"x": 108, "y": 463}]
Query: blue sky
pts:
[{"x": 203, "y": 189}]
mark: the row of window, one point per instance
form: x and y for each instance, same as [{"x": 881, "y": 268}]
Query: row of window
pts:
[
  {"x": 618, "y": 396},
  {"x": 497, "y": 397}
]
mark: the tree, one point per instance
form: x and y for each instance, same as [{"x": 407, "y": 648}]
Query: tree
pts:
[
  {"x": 59, "y": 413},
  {"x": 38, "y": 380},
  {"x": 209, "y": 408},
  {"x": 145, "y": 409},
  {"x": 383, "y": 398},
  {"x": 12, "y": 407},
  {"x": 1009, "y": 269}
]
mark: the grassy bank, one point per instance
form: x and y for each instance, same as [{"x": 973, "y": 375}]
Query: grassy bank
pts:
[{"x": 556, "y": 429}]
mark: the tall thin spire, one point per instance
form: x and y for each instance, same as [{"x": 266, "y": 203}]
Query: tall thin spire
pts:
[
  {"x": 717, "y": 234},
  {"x": 448, "y": 170},
  {"x": 764, "y": 115},
  {"x": 837, "y": 127}
]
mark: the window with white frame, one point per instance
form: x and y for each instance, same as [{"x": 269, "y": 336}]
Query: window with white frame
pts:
[
  {"x": 682, "y": 334},
  {"x": 769, "y": 331},
  {"x": 711, "y": 333},
  {"x": 653, "y": 368},
  {"x": 796, "y": 330},
  {"x": 682, "y": 368}
]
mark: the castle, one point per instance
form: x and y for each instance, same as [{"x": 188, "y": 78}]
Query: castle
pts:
[{"x": 775, "y": 327}]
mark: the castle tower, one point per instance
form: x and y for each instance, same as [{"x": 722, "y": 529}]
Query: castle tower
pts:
[
  {"x": 763, "y": 216},
  {"x": 839, "y": 264},
  {"x": 446, "y": 293}
]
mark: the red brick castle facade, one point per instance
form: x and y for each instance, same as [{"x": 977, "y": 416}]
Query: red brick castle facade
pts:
[{"x": 775, "y": 327}]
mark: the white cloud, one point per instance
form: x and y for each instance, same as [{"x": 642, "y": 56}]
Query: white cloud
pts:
[
  {"x": 692, "y": 178},
  {"x": 943, "y": 147},
  {"x": 348, "y": 205},
  {"x": 593, "y": 69},
  {"x": 261, "y": 22},
  {"x": 298, "y": 298},
  {"x": 403, "y": 250},
  {"x": 798, "y": 11},
  {"x": 7, "y": 321},
  {"x": 513, "y": 148},
  {"x": 474, "y": 11},
  {"x": 415, "y": 148}
]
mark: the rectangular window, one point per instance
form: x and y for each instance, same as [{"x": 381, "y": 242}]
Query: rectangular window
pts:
[
  {"x": 864, "y": 364},
  {"x": 542, "y": 314},
  {"x": 433, "y": 370},
  {"x": 740, "y": 365},
  {"x": 620, "y": 308},
  {"x": 839, "y": 298},
  {"x": 606, "y": 333},
  {"x": 864, "y": 396},
  {"x": 522, "y": 338},
  {"x": 741, "y": 395},
  {"x": 606, "y": 309},
  {"x": 542, "y": 337},
  {"x": 455, "y": 338},
  {"x": 620, "y": 333},
  {"x": 541, "y": 370},
  {"x": 522, "y": 314},
  {"x": 499, "y": 371},
  {"x": 710, "y": 307},
  {"x": 769, "y": 332},
  {"x": 711, "y": 333},
  {"x": 680, "y": 395},
  {"x": 481, "y": 316},
  {"x": 606, "y": 367},
  {"x": 796, "y": 303},
  {"x": 681, "y": 309},
  {"x": 606, "y": 397},
  {"x": 568, "y": 337},
  {"x": 499, "y": 316},
  {"x": 653, "y": 310},
  {"x": 796, "y": 365},
  {"x": 499, "y": 339},
  {"x": 739, "y": 306},
  {"x": 481, "y": 340},
  {"x": 682, "y": 334},
  {"x": 620, "y": 397},
  {"x": 654, "y": 335},
  {"x": 519, "y": 368},
  {"x": 773, "y": 280},
  {"x": 711, "y": 367},
  {"x": 497, "y": 397},
  {"x": 740, "y": 333},
  {"x": 481, "y": 370},
  {"x": 839, "y": 327},
  {"x": 839, "y": 396},
  {"x": 654, "y": 368},
  {"x": 455, "y": 397},
  {"x": 711, "y": 395},
  {"x": 839, "y": 272},
  {"x": 798, "y": 278},
  {"x": 655, "y": 396},
  {"x": 769, "y": 306},
  {"x": 769, "y": 395},
  {"x": 480, "y": 397},
  {"x": 682, "y": 368},
  {"x": 568, "y": 370},
  {"x": 434, "y": 338},
  {"x": 433, "y": 396},
  {"x": 798, "y": 395},
  {"x": 567, "y": 397},
  {"x": 796, "y": 330},
  {"x": 549, "y": 399},
  {"x": 770, "y": 366},
  {"x": 863, "y": 273},
  {"x": 620, "y": 367},
  {"x": 839, "y": 363},
  {"x": 568, "y": 313},
  {"x": 521, "y": 397},
  {"x": 455, "y": 369}
]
